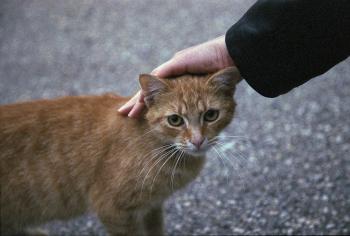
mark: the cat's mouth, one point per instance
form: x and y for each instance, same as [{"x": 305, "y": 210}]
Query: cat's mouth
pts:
[
  {"x": 196, "y": 153},
  {"x": 189, "y": 150},
  {"x": 193, "y": 150}
]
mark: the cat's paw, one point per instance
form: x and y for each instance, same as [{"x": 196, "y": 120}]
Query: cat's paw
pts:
[{"x": 36, "y": 232}]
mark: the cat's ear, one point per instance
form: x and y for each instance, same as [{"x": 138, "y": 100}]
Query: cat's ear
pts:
[
  {"x": 151, "y": 87},
  {"x": 226, "y": 79}
]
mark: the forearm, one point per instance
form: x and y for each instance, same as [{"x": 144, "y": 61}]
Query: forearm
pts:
[{"x": 278, "y": 45}]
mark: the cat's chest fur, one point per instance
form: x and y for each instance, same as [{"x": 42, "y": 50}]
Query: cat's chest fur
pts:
[
  {"x": 76, "y": 153},
  {"x": 146, "y": 172}
]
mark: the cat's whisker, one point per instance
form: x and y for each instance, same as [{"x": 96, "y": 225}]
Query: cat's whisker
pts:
[
  {"x": 160, "y": 155},
  {"x": 184, "y": 159},
  {"x": 239, "y": 168},
  {"x": 180, "y": 145},
  {"x": 221, "y": 144},
  {"x": 158, "y": 151},
  {"x": 134, "y": 141},
  {"x": 147, "y": 132},
  {"x": 150, "y": 161},
  {"x": 239, "y": 164},
  {"x": 239, "y": 154},
  {"x": 233, "y": 137},
  {"x": 163, "y": 156},
  {"x": 173, "y": 172},
  {"x": 159, "y": 148},
  {"x": 169, "y": 146},
  {"x": 224, "y": 157},
  {"x": 174, "y": 153},
  {"x": 219, "y": 156},
  {"x": 211, "y": 142}
]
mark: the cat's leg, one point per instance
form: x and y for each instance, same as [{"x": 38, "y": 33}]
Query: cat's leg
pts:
[
  {"x": 36, "y": 232},
  {"x": 10, "y": 229},
  {"x": 23, "y": 232},
  {"x": 153, "y": 221},
  {"x": 122, "y": 223}
]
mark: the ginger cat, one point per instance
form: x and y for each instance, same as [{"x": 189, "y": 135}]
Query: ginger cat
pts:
[{"x": 61, "y": 158}]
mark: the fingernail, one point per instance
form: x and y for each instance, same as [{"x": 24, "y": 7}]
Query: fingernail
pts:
[
  {"x": 122, "y": 108},
  {"x": 136, "y": 110},
  {"x": 131, "y": 114},
  {"x": 155, "y": 71}
]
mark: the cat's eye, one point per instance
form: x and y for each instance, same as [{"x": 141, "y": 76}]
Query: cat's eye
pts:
[
  {"x": 175, "y": 120},
  {"x": 211, "y": 115}
]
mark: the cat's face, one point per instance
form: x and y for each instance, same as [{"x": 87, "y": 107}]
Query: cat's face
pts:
[{"x": 190, "y": 111}]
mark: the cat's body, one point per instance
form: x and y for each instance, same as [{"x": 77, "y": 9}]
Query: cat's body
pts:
[{"x": 65, "y": 157}]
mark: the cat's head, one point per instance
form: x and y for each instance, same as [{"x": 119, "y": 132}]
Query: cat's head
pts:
[{"x": 189, "y": 111}]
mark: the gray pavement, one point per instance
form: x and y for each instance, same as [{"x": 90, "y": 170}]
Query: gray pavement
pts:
[{"x": 290, "y": 174}]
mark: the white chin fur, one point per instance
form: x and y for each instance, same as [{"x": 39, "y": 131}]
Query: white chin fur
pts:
[
  {"x": 196, "y": 153},
  {"x": 193, "y": 151}
]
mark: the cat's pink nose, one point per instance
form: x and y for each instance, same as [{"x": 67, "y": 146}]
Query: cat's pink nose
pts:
[{"x": 197, "y": 142}]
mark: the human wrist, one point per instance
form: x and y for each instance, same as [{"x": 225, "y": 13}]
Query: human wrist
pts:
[{"x": 225, "y": 56}]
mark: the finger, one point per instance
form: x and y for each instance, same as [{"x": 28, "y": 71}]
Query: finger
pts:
[
  {"x": 141, "y": 97},
  {"x": 126, "y": 108},
  {"x": 170, "y": 68},
  {"x": 136, "y": 110},
  {"x": 138, "y": 107}
]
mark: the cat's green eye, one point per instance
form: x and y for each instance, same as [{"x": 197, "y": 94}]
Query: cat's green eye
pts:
[
  {"x": 211, "y": 115},
  {"x": 175, "y": 120}
]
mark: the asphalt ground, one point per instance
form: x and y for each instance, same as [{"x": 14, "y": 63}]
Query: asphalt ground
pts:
[{"x": 288, "y": 173}]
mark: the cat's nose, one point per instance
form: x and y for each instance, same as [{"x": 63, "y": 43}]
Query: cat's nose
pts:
[{"x": 197, "y": 142}]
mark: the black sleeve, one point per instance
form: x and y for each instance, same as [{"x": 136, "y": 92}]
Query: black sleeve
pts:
[{"x": 280, "y": 44}]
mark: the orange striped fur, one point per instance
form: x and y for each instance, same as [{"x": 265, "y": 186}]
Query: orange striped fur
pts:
[{"x": 64, "y": 157}]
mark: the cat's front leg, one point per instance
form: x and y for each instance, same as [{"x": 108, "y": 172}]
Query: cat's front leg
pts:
[
  {"x": 153, "y": 221},
  {"x": 36, "y": 232},
  {"x": 122, "y": 223},
  {"x": 23, "y": 232}
]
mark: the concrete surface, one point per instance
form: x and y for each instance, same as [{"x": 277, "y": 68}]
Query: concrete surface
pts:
[{"x": 289, "y": 175}]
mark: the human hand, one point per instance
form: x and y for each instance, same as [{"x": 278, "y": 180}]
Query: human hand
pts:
[{"x": 204, "y": 58}]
